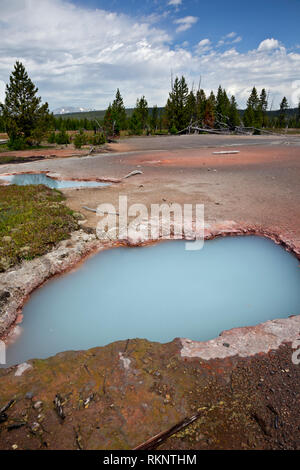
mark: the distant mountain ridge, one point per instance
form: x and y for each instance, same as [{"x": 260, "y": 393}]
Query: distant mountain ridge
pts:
[
  {"x": 82, "y": 113},
  {"x": 91, "y": 114},
  {"x": 70, "y": 109}
]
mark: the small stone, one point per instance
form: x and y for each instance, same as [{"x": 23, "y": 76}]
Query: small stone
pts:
[
  {"x": 14, "y": 446},
  {"x": 37, "y": 405},
  {"x": 35, "y": 427},
  {"x": 29, "y": 395}
]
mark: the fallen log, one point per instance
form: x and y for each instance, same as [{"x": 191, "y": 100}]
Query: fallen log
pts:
[
  {"x": 102, "y": 212},
  {"x": 89, "y": 209},
  {"x": 7, "y": 406},
  {"x": 225, "y": 152},
  {"x": 132, "y": 173},
  {"x": 158, "y": 439}
]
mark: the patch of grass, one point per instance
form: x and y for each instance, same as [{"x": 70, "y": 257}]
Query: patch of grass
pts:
[
  {"x": 4, "y": 148},
  {"x": 12, "y": 159},
  {"x": 32, "y": 220}
]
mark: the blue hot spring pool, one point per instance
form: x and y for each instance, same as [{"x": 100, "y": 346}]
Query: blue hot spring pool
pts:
[
  {"x": 39, "y": 178},
  {"x": 160, "y": 292}
]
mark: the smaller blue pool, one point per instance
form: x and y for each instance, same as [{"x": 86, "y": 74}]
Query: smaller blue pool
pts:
[{"x": 40, "y": 178}]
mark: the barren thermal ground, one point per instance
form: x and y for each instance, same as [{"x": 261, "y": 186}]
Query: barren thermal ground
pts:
[{"x": 243, "y": 385}]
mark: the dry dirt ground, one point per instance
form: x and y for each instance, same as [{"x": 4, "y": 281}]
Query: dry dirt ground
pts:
[
  {"x": 243, "y": 403},
  {"x": 259, "y": 185}
]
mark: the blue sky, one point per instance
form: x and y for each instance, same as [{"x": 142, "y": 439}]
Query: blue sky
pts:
[
  {"x": 78, "y": 52},
  {"x": 251, "y": 20}
]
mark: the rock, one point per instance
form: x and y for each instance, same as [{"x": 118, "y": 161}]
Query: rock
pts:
[
  {"x": 35, "y": 427},
  {"x": 4, "y": 295},
  {"x": 37, "y": 405}
]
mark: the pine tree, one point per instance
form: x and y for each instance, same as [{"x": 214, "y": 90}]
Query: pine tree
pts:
[
  {"x": 108, "y": 122},
  {"x": 222, "y": 107},
  {"x": 26, "y": 119},
  {"x": 135, "y": 124},
  {"x": 142, "y": 111},
  {"x": 176, "y": 108},
  {"x": 191, "y": 107},
  {"x": 200, "y": 104},
  {"x": 263, "y": 102},
  {"x": 234, "y": 117},
  {"x": 118, "y": 113},
  {"x": 209, "y": 112},
  {"x": 282, "y": 114},
  {"x": 253, "y": 114},
  {"x": 154, "y": 119}
]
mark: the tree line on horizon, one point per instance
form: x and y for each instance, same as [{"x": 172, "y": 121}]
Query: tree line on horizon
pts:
[
  {"x": 27, "y": 120},
  {"x": 183, "y": 107}
]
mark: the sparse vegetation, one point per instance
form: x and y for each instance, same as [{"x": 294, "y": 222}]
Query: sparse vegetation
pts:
[
  {"x": 97, "y": 139},
  {"x": 32, "y": 220},
  {"x": 80, "y": 139},
  {"x": 62, "y": 137}
]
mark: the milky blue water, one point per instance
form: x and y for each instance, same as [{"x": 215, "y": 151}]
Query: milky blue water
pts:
[
  {"x": 159, "y": 293},
  {"x": 39, "y": 178}
]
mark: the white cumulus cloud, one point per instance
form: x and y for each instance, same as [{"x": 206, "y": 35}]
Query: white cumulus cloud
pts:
[
  {"x": 269, "y": 44},
  {"x": 230, "y": 35},
  {"x": 203, "y": 46},
  {"x": 79, "y": 57},
  {"x": 175, "y": 3},
  {"x": 185, "y": 23}
]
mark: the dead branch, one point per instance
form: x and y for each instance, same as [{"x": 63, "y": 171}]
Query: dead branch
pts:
[
  {"x": 102, "y": 212},
  {"x": 158, "y": 439},
  {"x": 132, "y": 173}
]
